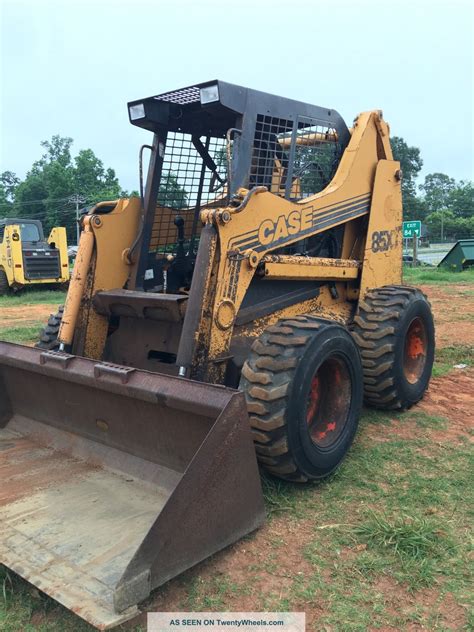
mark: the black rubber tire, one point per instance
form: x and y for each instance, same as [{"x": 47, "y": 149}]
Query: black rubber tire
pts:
[
  {"x": 380, "y": 328},
  {"x": 277, "y": 381},
  {"x": 4, "y": 287},
  {"x": 49, "y": 334}
]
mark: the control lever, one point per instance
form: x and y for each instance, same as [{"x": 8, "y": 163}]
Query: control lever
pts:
[{"x": 179, "y": 223}]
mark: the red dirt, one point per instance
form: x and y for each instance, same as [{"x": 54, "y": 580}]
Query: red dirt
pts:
[
  {"x": 23, "y": 315},
  {"x": 452, "y": 397},
  {"x": 453, "y": 307}
]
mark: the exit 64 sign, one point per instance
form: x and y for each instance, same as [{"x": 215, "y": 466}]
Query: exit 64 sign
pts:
[{"x": 412, "y": 229}]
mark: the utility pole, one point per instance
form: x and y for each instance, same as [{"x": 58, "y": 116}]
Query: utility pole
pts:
[{"x": 77, "y": 199}]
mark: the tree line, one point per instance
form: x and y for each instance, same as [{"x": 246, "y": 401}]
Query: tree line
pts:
[
  {"x": 445, "y": 205},
  {"x": 54, "y": 182},
  {"x": 49, "y": 189}
]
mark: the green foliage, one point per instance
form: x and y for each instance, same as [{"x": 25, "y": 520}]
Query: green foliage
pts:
[
  {"x": 449, "y": 207},
  {"x": 446, "y": 206},
  {"x": 411, "y": 164},
  {"x": 170, "y": 193},
  {"x": 45, "y": 192},
  {"x": 437, "y": 188},
  {"x": 315, "y": 166}
]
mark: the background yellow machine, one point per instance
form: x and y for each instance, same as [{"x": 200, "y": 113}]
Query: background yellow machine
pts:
[
  {"x": 244, "y": 305},
  {"x": 27, "y": 258}
]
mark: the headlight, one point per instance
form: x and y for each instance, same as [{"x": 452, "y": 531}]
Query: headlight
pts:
[
  {"x": 137, "y": 111},
  {"x": 209, "y": 94}
]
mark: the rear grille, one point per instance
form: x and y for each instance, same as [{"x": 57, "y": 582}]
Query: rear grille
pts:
[{"x": 42, "y": 265}]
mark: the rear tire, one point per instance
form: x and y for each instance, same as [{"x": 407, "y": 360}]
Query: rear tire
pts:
[
  {"x": 4, "y": 287},
  {"x": 303, "y": 386},
  {"x": 395, "y": 332},
  {"x": 49, "y": 335}
]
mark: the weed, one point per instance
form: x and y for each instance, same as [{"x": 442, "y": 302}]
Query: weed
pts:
[{"x": 409, "y": 537}]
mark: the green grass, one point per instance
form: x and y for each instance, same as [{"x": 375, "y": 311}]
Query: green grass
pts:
[
  {"x": 23, "y": 334},
  {"x": 428, "y": 276},
  {"x": 33, "y": 297},
  {"x": 447, "y": 357},
  {"x": 408, "y": 537}
]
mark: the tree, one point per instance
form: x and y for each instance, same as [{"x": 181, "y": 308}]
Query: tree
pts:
[
  {"x": 171, "y": 193},
  {"x": 57, "y": 150},
  {"x": 437, "y": 188},
  {"x": 410, "y": 164},
  {"x": 92, "y": 180},
  {"x": 48, "y": 186},
  {"x": 9, "y": 181},
  {"x": 30, "y": 197},
  {"x": 461, "y": 200}
]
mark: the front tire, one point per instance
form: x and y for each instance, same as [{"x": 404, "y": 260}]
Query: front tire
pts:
[
  {"x": 49, "y": 334},
  {"x": 303, "y": 386}
]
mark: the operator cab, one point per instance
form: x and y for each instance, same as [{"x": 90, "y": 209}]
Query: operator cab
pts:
[
  {"x": 31, "y": 231},
  {"x": 213, "y": 139}
]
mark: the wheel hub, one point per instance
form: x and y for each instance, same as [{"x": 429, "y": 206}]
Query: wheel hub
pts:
[
  {"x": 328, "y": 402},
  {"x": 414, "y": 359}
]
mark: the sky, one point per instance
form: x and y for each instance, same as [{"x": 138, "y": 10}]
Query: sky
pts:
[{"x": 70, "y": 68}]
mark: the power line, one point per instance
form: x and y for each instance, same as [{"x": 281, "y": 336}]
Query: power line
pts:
[
  {"x": 43, "y": 201},
  {"x": 91, "y": 199}
]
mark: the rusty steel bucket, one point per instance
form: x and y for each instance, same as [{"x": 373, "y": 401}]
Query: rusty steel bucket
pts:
[{"x": 114, "y": 480}]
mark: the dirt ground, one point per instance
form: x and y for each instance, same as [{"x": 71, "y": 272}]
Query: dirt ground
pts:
[
  {"x": 23, "y": 315},
  {"x": 453, "y": 307}
]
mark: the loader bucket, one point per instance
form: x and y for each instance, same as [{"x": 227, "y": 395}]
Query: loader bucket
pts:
[{"x": 114, "y": 480}]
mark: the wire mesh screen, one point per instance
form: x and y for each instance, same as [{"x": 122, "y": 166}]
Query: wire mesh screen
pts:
[
  {"x": 316, "y": 157},
  {"x": 269, "y": 165},
  {"x": 194, "y": 175},
  {"x": 294, "y": 163}
]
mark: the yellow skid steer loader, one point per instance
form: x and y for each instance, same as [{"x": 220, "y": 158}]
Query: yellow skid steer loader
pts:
[
  {"x": 234, "y": 315},
  {"x": 28, "y": 259}
]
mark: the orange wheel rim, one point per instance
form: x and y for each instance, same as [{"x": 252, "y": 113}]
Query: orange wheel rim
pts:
[
  {"x": 414, "y": 357},
  {"x": 328, "y": 402}
]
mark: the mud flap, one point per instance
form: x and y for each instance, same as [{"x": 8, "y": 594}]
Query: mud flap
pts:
[{"x": 114, "y": 480}]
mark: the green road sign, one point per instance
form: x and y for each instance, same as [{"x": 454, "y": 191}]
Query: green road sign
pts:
[{"x": 410, "y": 229}]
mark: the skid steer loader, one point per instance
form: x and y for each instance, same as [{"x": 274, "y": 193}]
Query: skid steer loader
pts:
[{"x": 236, "y": 314}]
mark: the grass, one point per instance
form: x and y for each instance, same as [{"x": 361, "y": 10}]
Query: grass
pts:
[
  {"x": 408, "y": 537},
  {"x": 25, "y": 334},
  {"x": 33, "y": 297},
  {"x": 414, "y": 276},
  {"x": 447, "y": 357}
]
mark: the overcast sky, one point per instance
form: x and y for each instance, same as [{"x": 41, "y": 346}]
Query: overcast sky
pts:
[{"x": 69, "y": 68}]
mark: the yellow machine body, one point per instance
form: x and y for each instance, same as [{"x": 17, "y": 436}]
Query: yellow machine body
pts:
[{"x": 27, "y": 263}]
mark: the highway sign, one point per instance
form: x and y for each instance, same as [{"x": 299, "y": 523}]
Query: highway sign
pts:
[{"x": 410, "y": 229}]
